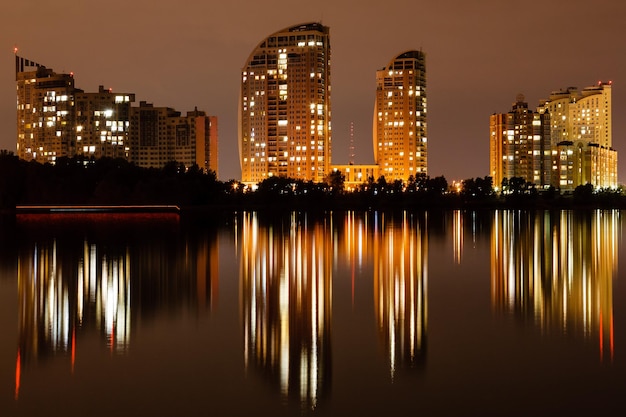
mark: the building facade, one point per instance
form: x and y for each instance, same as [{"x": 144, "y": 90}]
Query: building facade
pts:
[
  {"x": 567, "y": 142},
  {"x": 195, "y": 140},
  {"x": 160, "y": 135},
  {"x": 285, "y": 106},
  {"x": 102, "y": 123},
  {"x": 45, "y": 112},
  {"x": 150, "y": 135},
  {"x": 581, "y": 132},
  {"x": 355, "y": 175},
  {"x": 399, "y": 125},
  {"x": 55, "y": 119},
  {"x": 579, "y": 163},
  {"x": 581, "y": 116},
  {"x": 520, "y": 145}
]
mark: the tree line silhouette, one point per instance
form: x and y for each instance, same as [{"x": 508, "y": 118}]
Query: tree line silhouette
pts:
[{"x": 106, "y": 181}]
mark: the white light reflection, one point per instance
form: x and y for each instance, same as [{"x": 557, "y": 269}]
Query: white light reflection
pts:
[
  {"x": 53, "y": 302},
  {"x": 400, "y": 289},
  {"x": 457, "y": 235},
  {"x": 559, "y": 266},
  {"x": 286, "y": 295}
]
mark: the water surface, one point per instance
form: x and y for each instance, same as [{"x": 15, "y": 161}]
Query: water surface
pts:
[{"x": 357, "y": 313}]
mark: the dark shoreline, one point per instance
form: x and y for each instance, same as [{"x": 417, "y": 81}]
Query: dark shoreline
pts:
[
  {"x": 319, "y": 206},
  {"x": 100, "y": 209}
]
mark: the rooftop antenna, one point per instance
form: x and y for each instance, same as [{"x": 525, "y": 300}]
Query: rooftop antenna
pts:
[{"x": 351, "y": 149}]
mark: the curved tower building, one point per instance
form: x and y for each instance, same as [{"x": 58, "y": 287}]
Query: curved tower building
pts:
[
  {"x": 399, "y": 130},
  {"x": 284, "y": 106}
]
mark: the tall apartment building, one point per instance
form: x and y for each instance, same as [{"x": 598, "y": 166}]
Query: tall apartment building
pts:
[
  {"x": 574, "y": 128},
  {"x": 400, "y": 128},
  {"x": 579, "y": 163},
  {"x": 45, "y": 112},
  {"x": 195, "y": 139},
  {"x": 520, "y": 145},
  {"x": 581, "y": 116},
  {"x": 581, "y": 130},
  {"x": 150, "y": 142},
  {"x": 56, "y": 119},
  {"x": 159, "y": 135},
  {"x": 285, "y": 106},
  {"x": 102, "y": 123}
]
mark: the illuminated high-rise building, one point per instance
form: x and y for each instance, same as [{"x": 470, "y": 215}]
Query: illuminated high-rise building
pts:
[
  {"x": 581, "y": 131},
  {"x": 520, "y": 145},
  {"x": 567, "y": 142},
  {"x": 102, "y": 123},
  {"x": 45, "y": 112},
  {"x": 399, "y": 128},
  {"x": 55, "y": 119},
  {"x": 581, "y": 116},
  {"x": 195, "y": 139},
  {"x": 284, "y": 106},
  {"x": 579, "y": 163},
  {"x": 150, "y": 144},
  {"x": 161, "y": 134}
]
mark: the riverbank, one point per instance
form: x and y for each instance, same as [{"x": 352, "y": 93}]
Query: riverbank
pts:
[{"x": 333, "y": 203}]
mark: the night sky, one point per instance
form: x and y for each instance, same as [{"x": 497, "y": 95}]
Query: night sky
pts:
[{"x": 189, "y": 53}]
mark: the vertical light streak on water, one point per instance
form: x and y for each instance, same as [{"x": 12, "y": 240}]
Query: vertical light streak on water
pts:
[
  {"x": 34, "y": 285},
  {"x": 556, "y": 263},
  {"x": 392, "y": 302},
  {"x": 92, "y": 273},
  {"x": 510, "y": 261},
  {"x": 535, "y": 267},
  {"x": 65, "y": 316},
  {"x": 50, "y": 325},
  {"x": 564, "y": 257},
  {"x": 106, "y": 296},
  {"x": 260, "y": 266},
  {"x": 457, "y": 235},
  {"x": 360, "y": 243},
  {"x": 495, "y": 264},
  {"x": 117, "y": 307},
  {"x": 304, "y": 383},
  {"x": 284, "y": 327},
  {"x": 316, "y": 309},
  {"x": 474, "y": 227},
  {"x": 128, "y": 295},
  {"x": 412, "y": 290},
  {"x": 80, "y": 290}
]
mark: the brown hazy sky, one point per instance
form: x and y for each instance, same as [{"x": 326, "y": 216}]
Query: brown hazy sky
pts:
[{"x": 188, "y": 53}]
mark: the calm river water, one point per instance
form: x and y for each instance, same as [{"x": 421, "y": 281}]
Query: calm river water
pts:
[{"x": 352, "y": 313}]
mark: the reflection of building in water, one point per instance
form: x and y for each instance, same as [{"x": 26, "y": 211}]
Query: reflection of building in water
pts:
[
  {"x": 354, "y": 243},
  {"x": 286, "y": 301},
  {"x": 457, "y": 235},
  {"x": 557, "y": 269},
  {"x": 167, "y": 276},
  {"x": 71, "y": 284},
  {"x": 58, "y": 292},
  {"x": 400, "y": 289}
]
